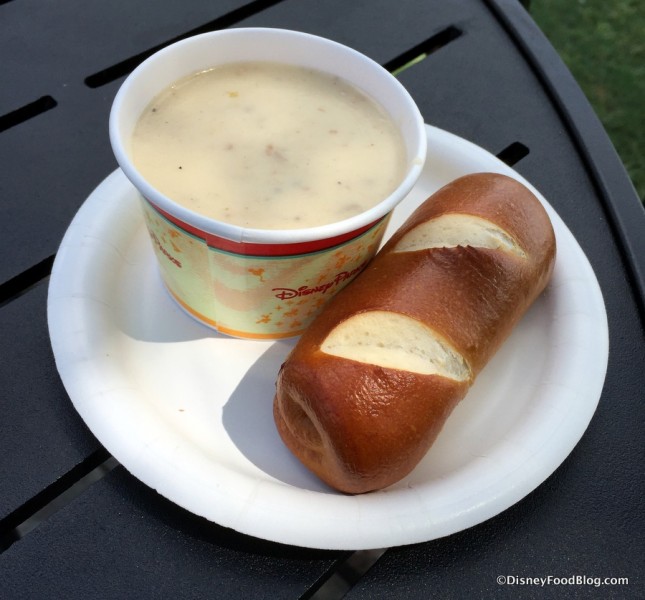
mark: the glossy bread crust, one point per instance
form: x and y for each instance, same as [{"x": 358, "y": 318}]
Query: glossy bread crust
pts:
[{"x": 362, "y": 427}]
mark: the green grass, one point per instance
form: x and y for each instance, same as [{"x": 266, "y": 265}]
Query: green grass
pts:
[{"x": 603, "y": 44}]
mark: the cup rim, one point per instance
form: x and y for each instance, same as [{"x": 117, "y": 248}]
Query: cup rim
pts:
[{"x": 250, "y": 235}]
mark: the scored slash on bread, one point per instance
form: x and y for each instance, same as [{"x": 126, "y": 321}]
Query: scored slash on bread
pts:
[
  {"x": 458, "y": 229},
  {"x": 393, "y": 340},
  {"x": 369, "y": 385},
  {"x": 400, "y": 342}
]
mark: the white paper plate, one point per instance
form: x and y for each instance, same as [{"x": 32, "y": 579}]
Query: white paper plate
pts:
[{"x": 189, "y": 412}]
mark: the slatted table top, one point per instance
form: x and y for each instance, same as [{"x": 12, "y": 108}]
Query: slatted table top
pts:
[{"x": 74, "y": 523}]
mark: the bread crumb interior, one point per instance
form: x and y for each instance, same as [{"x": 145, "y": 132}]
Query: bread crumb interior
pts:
[
  {"x": 395, "y": 341},
  {"x": 458, "y": 229}
]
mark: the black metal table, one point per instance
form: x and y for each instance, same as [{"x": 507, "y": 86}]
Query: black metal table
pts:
[{"x": 75, "y": 524}]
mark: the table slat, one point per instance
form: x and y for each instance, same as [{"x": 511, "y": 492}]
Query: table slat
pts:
[{"x": 120, "y": 539}]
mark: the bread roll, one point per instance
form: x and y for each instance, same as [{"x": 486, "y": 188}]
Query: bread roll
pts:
[{"x": 369, "y": 385}]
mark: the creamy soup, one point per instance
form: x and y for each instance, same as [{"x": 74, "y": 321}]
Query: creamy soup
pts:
[{"x": 269, "y": 146}]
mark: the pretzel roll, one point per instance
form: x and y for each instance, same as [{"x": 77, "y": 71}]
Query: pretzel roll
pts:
[{"x": 368, "y": 387}]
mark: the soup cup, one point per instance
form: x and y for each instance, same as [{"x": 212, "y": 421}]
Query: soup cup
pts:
[{"x": 260, "y": 283}]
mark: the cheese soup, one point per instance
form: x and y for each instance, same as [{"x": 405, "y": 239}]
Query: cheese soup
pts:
[{"x": 269, "y": 146}]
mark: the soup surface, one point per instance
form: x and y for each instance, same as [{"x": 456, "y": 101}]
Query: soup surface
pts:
[{"x": 270, "y": 146}]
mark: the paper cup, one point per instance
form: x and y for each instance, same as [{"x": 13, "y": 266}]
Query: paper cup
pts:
[{"x": 256, "y": 283}]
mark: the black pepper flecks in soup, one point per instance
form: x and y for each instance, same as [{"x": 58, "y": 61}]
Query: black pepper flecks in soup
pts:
[{"x": 267, "y": 145}]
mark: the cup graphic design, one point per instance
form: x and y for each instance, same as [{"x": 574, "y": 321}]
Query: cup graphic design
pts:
[{"x": 263, "y": 291}]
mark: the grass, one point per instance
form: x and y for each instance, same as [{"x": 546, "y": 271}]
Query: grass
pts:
[{"x": 603, "y": 45}]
